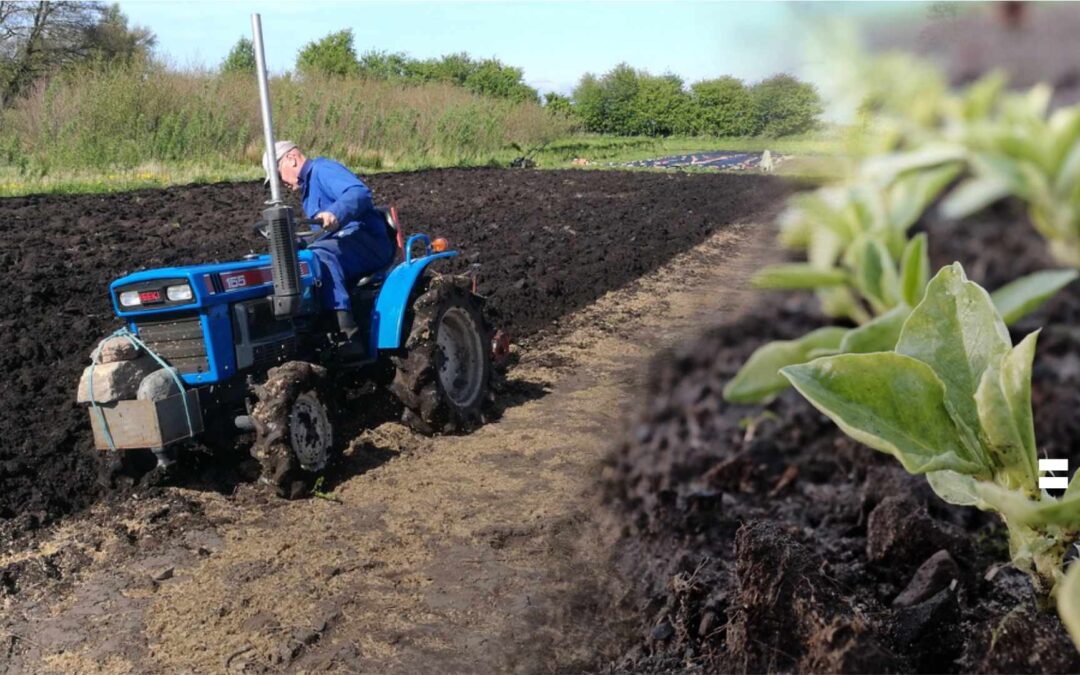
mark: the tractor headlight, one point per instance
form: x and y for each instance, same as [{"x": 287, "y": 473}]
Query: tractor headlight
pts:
[
  {"x": 179, "y": 293},
  {"x": 130, "y": 299}
]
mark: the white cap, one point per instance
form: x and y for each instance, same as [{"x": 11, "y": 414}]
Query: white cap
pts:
[{"x": 281, "y": 148}]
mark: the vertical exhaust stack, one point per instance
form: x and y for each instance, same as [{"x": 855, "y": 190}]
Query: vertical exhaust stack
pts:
[{"x": 278, "y": 216}]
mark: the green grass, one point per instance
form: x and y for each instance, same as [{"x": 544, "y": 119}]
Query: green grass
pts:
[
  {"x": 601, "y": 152},
  {"x": 14, "y": 183}
]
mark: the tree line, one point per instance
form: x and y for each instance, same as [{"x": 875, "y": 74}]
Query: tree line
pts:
[
  {"x": 624, "y": 101},
  {"x": 631, "y": 102},
  {"x": 335, "y": 55},
  {"x": 38, "y": 39}
]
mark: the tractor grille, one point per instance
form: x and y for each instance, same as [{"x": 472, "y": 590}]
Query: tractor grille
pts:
[
  {"x": 274, "y": 353},
  {"x": 179, "y": 341}
]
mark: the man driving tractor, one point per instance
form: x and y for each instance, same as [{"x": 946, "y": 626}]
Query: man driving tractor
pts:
[{"x": 358, "y": 243}]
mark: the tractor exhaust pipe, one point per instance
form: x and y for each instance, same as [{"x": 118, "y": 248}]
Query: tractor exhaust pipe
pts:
[{"x": 278, "y": 216}]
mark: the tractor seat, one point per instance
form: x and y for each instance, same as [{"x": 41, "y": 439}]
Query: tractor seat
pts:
[
  {"x": 393, "y": 231},
  {"x": 373, "y": 277}
]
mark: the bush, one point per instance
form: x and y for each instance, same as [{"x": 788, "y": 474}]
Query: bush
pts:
[
  {"x": 489, "y": 77},
  {"x": 628, "y": 102},
  {"x": 492, "y": 78},
  {"x": 785, "y": 106},
  {"x": 661, "y": 107},
  {"x": 606, "y": 105},
  {"x": 558, "y": 105},
  {"x": 332, "y": 55},
  {"x": 723, "y": 107},
  {"x": 241, "y": 58}
]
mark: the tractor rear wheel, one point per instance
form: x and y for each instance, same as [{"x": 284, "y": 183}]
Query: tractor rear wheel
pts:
[
  {"x": 294, "y": 427},
  {"x": 442, "y": 378}
]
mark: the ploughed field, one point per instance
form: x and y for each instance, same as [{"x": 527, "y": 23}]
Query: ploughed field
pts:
[
  {"x": 763, "y": 539},
  {"x": 548, "y": 243}
]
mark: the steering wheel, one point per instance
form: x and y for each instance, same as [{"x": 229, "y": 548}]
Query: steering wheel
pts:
[{"x": 314, "y": 232}]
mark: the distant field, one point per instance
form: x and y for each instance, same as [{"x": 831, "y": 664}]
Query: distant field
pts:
[{"x": 599, "y": 151}]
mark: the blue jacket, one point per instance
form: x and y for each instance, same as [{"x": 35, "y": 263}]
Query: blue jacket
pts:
[{"x": 326, "y": 185}]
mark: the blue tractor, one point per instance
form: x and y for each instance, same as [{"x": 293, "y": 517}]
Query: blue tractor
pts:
[{"x": 210, "y": 351}]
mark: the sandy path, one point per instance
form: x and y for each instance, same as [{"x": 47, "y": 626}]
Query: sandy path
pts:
[{"x": 454, "y": 554}]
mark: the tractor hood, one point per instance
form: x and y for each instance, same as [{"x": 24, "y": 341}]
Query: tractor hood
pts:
[{"x": 169, "y": 289}]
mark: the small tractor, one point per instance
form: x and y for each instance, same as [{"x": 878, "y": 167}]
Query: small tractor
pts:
[{"x": 212, "y": 351}]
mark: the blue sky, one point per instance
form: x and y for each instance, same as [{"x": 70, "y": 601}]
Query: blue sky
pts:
[{"x": 554, "y": 42}]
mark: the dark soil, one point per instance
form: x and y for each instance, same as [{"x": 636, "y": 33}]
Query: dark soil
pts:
[
  {"x": 764, "y": 540},
  {"x": 548, "y": 243}
]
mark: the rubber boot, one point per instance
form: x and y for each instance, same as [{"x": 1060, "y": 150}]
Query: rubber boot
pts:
[{"x": 353, "y": 348}]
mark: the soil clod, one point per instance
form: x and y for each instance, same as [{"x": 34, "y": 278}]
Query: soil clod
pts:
[{"x": 934, "y": 575}]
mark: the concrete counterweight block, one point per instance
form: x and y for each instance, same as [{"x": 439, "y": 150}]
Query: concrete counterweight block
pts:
[{"x": 115, "y": 381}]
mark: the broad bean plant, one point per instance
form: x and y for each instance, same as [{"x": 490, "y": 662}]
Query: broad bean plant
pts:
[
  {"x": 863, "y": 267},
  {"x": 953, "y": 401},
  {"x": 1028, "y": 153}
]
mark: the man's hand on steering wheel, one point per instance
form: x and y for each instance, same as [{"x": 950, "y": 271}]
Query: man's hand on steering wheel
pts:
[{"x": 329, "y": 220}]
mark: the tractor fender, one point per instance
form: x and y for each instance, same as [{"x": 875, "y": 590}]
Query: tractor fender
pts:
[{"x": 393, "y": 302}]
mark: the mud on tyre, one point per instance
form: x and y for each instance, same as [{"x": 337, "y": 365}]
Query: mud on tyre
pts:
[
  {"x": 294, "y": 427},
  {"x": 442, "y": 378}
]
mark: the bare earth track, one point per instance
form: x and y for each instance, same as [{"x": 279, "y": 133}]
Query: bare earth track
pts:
[
  {"x": 470, "y": 553},
  {"x": 465, "y": 553}
]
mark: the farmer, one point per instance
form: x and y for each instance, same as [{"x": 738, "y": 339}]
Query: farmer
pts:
[{"x": 358, "y": 244}]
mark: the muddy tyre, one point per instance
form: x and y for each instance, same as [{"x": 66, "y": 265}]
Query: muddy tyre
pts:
[
  {"x": 294, "y": 427},
  {"x": 442, "y": 378}
]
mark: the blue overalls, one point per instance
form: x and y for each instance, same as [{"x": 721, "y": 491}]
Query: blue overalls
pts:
[{"x": 361, "y": 245}]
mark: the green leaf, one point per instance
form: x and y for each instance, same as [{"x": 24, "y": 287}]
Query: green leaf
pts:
[
  {"x": 1068, "y": 601},
  {"x": 868, "y": 205},
  {"x": 913, "y": 192},
  {"x": 887, "y": 168},
  {"x": 827, "y": 208},
  {"x": 1020, "y": 297},
  {"x": 839, "y": 301},
  {"x": 1068, "y": 173},
  {"x": 1019, "y": 510},
  {"x": 1029, "y": 150},
  {"x": 879, "y": 335},
  {"x": 1038, "y": 99},
  {"x": 875, "y": 275},
  {"x": 759, "y": 379},
  {"x": 914, "y": 270},
  {"x": 798, "y": 276},
  {"x": 954, "y": 488},
  {"x": 795, "y": 228},
  {"x": 972, "y": 196},
  {"x": 1002, "y": 170},
  {"x": 979, "y": 99},
  {"x": 1016, "y": 508},
  {"x": 823, "y": 248},
  {"x": 957, "y": 332},
  {"x": 1016, "y": 383},
  {"x": 1003, "y": 401},
  {"x": 890, "y": 402}
]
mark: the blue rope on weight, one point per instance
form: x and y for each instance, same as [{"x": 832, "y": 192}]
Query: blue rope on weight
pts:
[{"x": 133, "y": 339}]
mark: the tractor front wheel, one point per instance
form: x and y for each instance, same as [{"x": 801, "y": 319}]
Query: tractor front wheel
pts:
[
  {"x": 294, "y": 429},
  {"x": 442, "y": 378}
]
